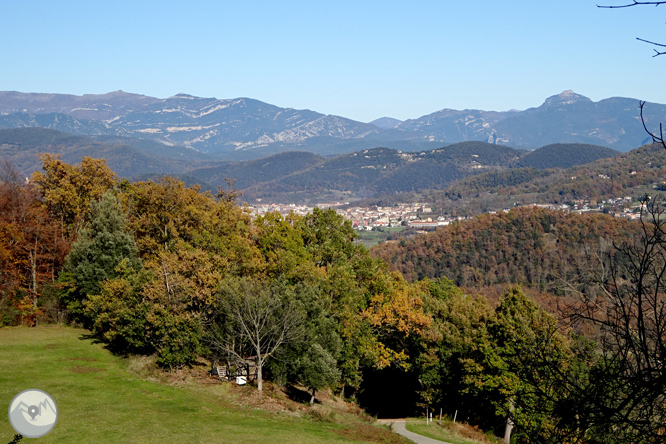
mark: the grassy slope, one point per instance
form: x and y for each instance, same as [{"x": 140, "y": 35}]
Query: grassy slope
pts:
[{"x": 101, "y": 401}]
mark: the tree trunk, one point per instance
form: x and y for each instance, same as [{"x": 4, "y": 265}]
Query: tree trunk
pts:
[
  {"x": 509, "y": 424},
  {"x": 33, "y": 270},
  {"x": 507, "y": 430},
  {"x": 312, "y": 398},
  {"x": 260, "y": 385}
]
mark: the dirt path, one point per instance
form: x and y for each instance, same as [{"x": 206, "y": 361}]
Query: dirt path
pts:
[{"x": 398, "y": 426}]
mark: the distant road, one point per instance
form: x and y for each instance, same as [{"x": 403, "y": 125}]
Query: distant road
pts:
[{"x": 398, "y": 426}]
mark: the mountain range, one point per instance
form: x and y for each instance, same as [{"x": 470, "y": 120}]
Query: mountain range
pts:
[{"x": 244, "y": 128}]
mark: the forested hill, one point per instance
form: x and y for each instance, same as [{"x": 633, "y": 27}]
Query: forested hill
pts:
[
  {"x": 128, "y": 157},
  {"x": 296, "y": 176},
  {"x": 565, "y": 155},
  {"x": 253, "y": 172},
  {"x": 530, "y": 246},
  {"x": 385, "y": 170},
  {"x": 635, "y": 173}
]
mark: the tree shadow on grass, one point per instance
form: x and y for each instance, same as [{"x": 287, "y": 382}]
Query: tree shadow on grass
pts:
[
  {"x": 95, "y": 339},
  {"x": 299, "y": 395}
]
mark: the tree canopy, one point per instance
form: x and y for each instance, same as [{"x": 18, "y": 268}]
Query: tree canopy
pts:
[{"x": 156, "y": 267}]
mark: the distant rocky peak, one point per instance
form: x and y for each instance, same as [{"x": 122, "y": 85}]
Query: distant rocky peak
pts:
[
  {"x": 116, "y": 93},
  {"x": 386, "y": 122},
  {"x": 184, "y": 96},
  {"x": 567, "y": 97}
]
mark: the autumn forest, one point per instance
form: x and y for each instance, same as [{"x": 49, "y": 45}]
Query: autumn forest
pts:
[{"x": 547, "y": 321}]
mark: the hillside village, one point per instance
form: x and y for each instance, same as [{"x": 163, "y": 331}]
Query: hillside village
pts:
[{"x": 421, "y": 216}]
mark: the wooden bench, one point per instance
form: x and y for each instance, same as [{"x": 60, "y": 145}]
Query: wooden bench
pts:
[{"x": 247, "y": 370}]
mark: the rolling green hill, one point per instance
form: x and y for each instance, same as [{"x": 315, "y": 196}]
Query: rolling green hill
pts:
[
  {"x": 467, "y": 167},
  {"x": 103, "y": 399},
  {"x": 565, "y": 155},
  {"x": 22, "y": 146},
  {"x": 527, "y": 246},
  {"x": 385, "y": 170},
  {"x": 253, "y": 172},
  {"x": 633, "y": 174}
]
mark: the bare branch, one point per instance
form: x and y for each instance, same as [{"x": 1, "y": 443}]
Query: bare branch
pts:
[
  {"x": 629, "y": 5},
  {"x": 657, "y": 53},
  {"x": 637, "y": 3},
  {"x": 631, "y": 330},
  {"x": 655, "y": 138}
]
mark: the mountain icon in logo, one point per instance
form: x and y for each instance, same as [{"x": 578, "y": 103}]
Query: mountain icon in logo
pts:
[{"x": 33, "y": 413}]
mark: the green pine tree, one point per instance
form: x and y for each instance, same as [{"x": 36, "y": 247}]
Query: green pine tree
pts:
[{"x": 100, "y": 247}]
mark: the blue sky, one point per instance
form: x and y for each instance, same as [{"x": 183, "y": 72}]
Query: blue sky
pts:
[{"x": 358, "y": 59}]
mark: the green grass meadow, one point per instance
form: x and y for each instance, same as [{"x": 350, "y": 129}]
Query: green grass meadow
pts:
[
  {"x": 371, "y": 238},
  {"x": 101, "y": 401}
]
